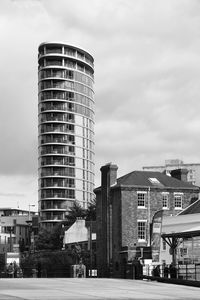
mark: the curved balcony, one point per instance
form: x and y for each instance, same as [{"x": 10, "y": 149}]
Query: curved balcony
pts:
[
  {"x": 56, "y": 106},
  {"x": 53, "y": 218},
  {"x": 54, "y": 196},
  {"x": 56, "y": 140},
  {"x": 57, "y": 152},
  {"x": 64, "y": 161},
  {"x": 58, "y": 183},
  {"x": 64, "y": 117},
  {"x": 62, "y": 172},
  {"x": 54, "y": 128}
]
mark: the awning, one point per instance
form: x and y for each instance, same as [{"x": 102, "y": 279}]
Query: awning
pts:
[{"x": 181, "y": 234}]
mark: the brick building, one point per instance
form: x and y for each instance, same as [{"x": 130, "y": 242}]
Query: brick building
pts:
[{"x": 125, "y": 208}]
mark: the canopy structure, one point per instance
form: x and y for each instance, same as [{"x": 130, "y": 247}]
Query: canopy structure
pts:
[{"x": 176, "y": 228}]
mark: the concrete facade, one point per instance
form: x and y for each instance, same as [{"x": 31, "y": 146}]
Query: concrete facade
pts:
[
  {"x": 124, "y": 227},
  {"x": 193, "y": 169}
]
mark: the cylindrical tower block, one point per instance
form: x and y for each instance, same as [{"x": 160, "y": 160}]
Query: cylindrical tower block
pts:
[{"x": 65, "y": 131}]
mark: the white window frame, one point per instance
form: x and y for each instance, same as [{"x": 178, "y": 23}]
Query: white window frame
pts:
[
  {"x": 145, "y": 230},
  {"x": 167, "y": 200},
  {"x": 181, "y": 196},
  {"x": 144, "y": 200}
]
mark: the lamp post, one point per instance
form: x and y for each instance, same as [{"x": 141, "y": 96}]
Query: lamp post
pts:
[
  {"x": 29, "y": 206},
  {"x": 30, "y": 227},
  {"x": 11, "y": 244}
]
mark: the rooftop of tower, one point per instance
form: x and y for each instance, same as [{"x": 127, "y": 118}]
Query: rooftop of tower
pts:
[{"x": 68, "y": 45}]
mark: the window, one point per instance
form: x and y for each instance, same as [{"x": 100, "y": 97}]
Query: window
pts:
[
  {"x": 154, "y": 180},
  {"x": 141, "y": 199},
  {"x": 178, "y": 201},
  {"x": 141, "y": 230},
  {"x": 164, "y": 245},
  {"x": 165, "y": 201},
  {"x": 183, "y": 251}
]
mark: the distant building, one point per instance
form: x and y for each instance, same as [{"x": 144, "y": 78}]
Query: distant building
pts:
[
  {"x": 125, "y": 209},
  {"x": 79, "y": 233},
  {"x": 80, "y": 238},
  {"x": 66, "y": 130},
  {"x": 15, "y": 229},
  {"x": 193, "y": 169},
  {"x": 7, "y": 211}
]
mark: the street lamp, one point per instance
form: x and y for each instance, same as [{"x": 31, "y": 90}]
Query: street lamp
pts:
[{"x": 29, "y": 206}]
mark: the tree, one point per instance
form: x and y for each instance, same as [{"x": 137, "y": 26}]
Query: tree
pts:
[
  {"x": 91, "y": 211},
  {"x": 49, "y": 240},
  {"x": 53, "y": 239},
  {"x": 76, "y": 211}
]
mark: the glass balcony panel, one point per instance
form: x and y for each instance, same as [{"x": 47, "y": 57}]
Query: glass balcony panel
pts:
[
  {"x": 56, "y": 217},
  {"x": 57, "y": 150},
  {"x": 58, "y": 172},
  {"x": 52, "y": 182},
  {"x": 62, "y": 117},
  {"x": 80, "y": 55},
  {"x": 69, "y": 64},
  {"x": 53, "y": 62},
  {"x": 50, "y": 50},
  {"x": 70, "y": 52},
  {"x": 67, "y": 139},
  {"x": 58, "y": 194}
]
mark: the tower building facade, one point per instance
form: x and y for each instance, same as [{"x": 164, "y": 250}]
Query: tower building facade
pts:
[{"x": 66, "y": 130}]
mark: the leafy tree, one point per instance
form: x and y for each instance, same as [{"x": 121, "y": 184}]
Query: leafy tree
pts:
[
  {"x": 91, "y": 211},
  {"x": 76, "y": 211},
  {"x": 53, "y": 239},
  {"x": 49, "y": 240},
  {"x": 43, "y": 240}
]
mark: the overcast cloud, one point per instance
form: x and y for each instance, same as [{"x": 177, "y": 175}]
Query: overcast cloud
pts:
[{"x": 147, "y": 73}]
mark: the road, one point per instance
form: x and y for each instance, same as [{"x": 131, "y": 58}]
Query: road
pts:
[{"x": 87, "y": 289}]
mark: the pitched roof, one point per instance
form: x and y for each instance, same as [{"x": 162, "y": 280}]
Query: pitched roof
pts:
[
  {"x": 152, "y": 179},
  {"x": 194, "y": 208}
]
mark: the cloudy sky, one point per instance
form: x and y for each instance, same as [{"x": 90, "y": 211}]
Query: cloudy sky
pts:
[{"x": 147, "y": 82}]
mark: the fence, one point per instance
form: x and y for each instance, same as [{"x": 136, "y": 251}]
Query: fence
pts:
[{"x": 179, "y": 271}]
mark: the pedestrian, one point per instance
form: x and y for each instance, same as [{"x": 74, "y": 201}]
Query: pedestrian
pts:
[
  {"x": 19, "y": 273},
  {"x": 10, "y": 270},
  {"x": 39, "y": 269},
  {"x": 15, "y": 269},
  {"x": 165, "y": 270},
  {"x": 157, "y": 271},
  {"x": 172, "y": 271}
]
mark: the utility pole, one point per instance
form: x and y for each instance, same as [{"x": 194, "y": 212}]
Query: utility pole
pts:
[
  {"x": 11, "y": 246},
  {"x": 29, "y": 206},
  {"x": 91, "y": 248},
  {"x": 149, "y": 216}
]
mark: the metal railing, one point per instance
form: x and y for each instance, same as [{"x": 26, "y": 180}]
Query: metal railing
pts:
[{"x": 178, "y": 271}]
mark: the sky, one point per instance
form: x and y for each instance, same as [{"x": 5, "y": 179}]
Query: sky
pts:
[{"x": 147, "y": 83}]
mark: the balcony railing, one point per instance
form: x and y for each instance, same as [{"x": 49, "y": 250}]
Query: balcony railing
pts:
[
  {"x": 57, "y": 119},
  {"x": 57, "y": 129},
  {"x": 58, "y": 185},
  {"x": 67, "y": 174},
  {"x": 54, "y": 50},
  {"x": 57, "y": 140},
  {"x": 44, "y": 152},
  {"x": 63, "y": 162},
  {"x": 51, "y": 218}
]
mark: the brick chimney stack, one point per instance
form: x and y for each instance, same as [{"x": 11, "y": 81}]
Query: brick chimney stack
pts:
[
  {"x": 104, "y": 236},
  {"x": 108, "y": 175},
  {"x": 180, "y": 174}
]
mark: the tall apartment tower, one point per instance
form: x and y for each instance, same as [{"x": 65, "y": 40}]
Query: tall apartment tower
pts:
[{"x": 66, "y": 130}]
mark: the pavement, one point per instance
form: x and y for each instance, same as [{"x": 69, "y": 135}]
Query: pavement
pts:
[{"x": 87, "y": 289}]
